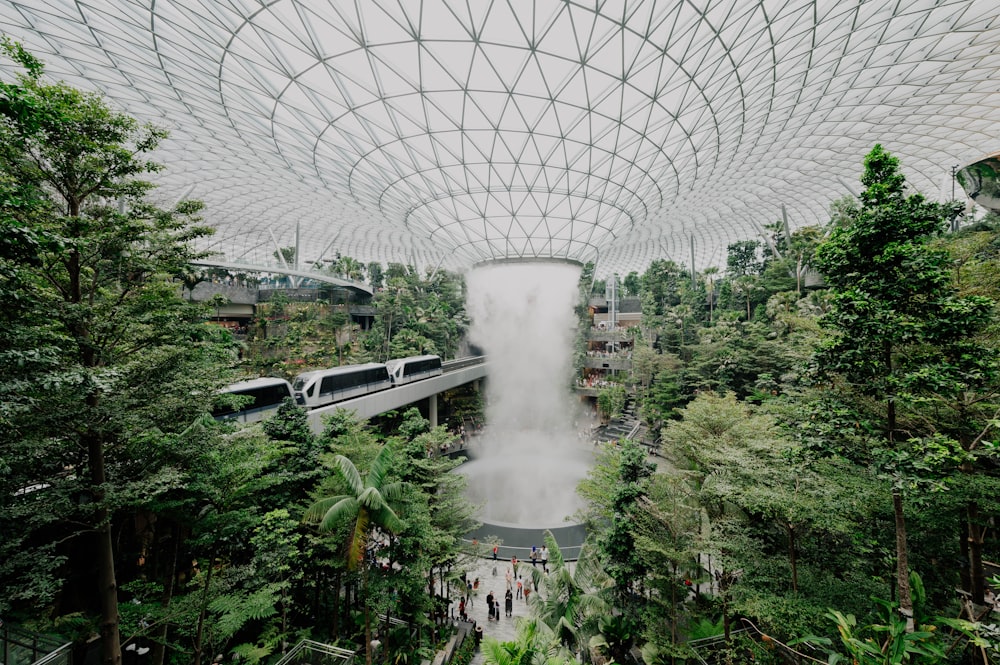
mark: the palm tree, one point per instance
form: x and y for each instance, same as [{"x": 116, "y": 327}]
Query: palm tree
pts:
[
  {"x": 533, "y": 644},
  {"x": 367, "y": 505},
  {"x": 570, "y": 601}
]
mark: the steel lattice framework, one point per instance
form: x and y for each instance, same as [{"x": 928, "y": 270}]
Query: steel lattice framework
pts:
[{"x": 448, "y": 132}]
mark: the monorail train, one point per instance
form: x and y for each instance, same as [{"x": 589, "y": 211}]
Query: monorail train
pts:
[
  {"x": 267, "y": 394},
  {"x": 414, "y": 368},
  {"x": 326, "y": 386}
]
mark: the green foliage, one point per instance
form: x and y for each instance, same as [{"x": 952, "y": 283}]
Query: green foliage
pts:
[
  {"x": 617, "y": 635},
  {"x": 617, "y": 543},
  {"x": 891, "y": 288},
  {"x": 465, "y": 652},
  {"x": 611, "y": 401},
  {"x": 902, "y": 333},
  {"x": 104, "y": 366},
  {"x": 289, "y": 423},
  {"x": 414, "y": 316},
  {"x": 231, "y": 613},
  {"x": 534, "y": 644},
  {"x": 571, "y": 600},
  {"x": 367, "y": 504}
]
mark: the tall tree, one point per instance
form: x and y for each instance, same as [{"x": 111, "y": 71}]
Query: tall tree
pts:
[
  {"x": 744, "y": 267},
  {"x": 893, "y": 307},
  {"x": 365, "y": 506},
  {"x": 570, "y": 600},
  {"x": 617, "y": 544},
  {"x": 103, "y": 283}
]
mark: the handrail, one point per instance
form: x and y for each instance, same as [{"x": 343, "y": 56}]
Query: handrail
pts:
[
  {"x": 461, "y": 363},
  {"x": 327, "y": 649},
  {"x": 56, "y": 656}
]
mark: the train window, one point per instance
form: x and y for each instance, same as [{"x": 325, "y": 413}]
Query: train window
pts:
[{"x": 268, "y": 396}]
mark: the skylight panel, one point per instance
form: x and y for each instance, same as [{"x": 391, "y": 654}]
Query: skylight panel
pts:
[{"x": 335, "y": 101}]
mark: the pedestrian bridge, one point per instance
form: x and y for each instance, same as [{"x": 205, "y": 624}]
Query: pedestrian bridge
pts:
[{"x": 455, "y": 373}]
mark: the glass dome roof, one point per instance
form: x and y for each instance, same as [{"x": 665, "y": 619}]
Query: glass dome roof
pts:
[{"x": 447, "y": 132}]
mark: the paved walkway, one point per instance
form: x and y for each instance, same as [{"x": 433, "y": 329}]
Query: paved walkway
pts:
[{"x": 504, "y": 629}]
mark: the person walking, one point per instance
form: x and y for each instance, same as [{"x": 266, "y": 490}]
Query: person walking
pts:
[
  {"x": 519, "y": 587},
  {"x": 489, "y": 606},
  {"x": 508, "y": 603}
]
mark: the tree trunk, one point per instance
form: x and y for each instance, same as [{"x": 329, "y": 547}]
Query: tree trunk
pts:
[
  {"x": 673, "y": 611},
  {"x": 336, "y": 605},
  {"x": 160, "y": 642},
  {"x": 965, "y": 572},
  {"x": 111, "y": 648},
  {"x": 368, "y": 622},
  {"x": 202, "y": 612},
  {"x": 793, "y": 562},
  {"x": 977, "y": 576},
  {"x": 725, "y": 619},
  {"x": 430, "y": 588},
  {"x": 385, "y": 636},
  {"x": 902, "y": 561}
]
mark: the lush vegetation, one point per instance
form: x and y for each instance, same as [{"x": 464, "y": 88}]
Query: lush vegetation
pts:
[
  {"x": 413, "y": 315},
  {"x": 823, "y": 412},
  {"x": 129, "y": 512}
]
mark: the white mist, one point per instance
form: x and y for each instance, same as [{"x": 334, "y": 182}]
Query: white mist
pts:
[{"x": 530, "y": 456}]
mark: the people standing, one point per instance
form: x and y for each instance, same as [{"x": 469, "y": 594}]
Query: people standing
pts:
[
  {"x": 508, "y": 603},
  {"x": 489, "y": 606},
  {"x": 519, "y": 587},
  {"x": 545, "y": 558},
  {"x": 495, "y": 550}
]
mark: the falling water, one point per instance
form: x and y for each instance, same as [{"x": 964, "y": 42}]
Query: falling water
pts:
[{"x": 530, "y": 456}]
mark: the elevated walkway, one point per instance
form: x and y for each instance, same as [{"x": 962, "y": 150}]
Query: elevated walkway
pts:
[{"x": 326, "y": 278}]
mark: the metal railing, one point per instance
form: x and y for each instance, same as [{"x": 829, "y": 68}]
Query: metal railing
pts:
[
  {"x": 61, "y": 656},
  {"x": 21, "y": 647},
  {"x": 460, "y": 363},
  {"x": 317, "y": 653}
]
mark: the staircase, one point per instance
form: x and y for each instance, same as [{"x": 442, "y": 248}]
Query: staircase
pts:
[{"x": 627, "y": 426}]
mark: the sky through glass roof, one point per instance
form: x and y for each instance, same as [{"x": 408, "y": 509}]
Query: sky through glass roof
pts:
[{"x": 443, "y": 132}]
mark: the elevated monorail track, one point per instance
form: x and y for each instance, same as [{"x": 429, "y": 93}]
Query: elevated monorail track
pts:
[{"x": 455, "y": 373}]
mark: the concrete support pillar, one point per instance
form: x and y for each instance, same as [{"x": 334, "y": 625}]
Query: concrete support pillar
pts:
[
  {"x": 432, "y": 410},
  {"x": 476, "y": 385}
]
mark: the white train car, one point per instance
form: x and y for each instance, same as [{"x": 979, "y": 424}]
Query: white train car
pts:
[
  {"x": 414, "y": 368},
  {"x": 327, "y": 386},
  {"x": 267, "y": 394}
]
